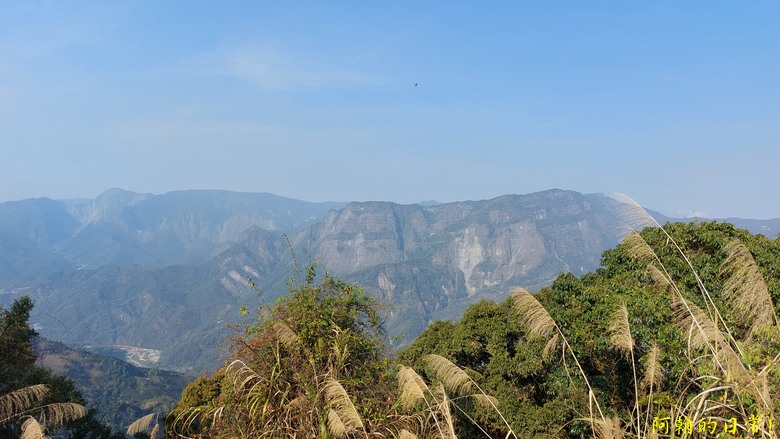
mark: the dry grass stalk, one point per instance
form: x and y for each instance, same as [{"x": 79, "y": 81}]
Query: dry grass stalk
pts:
[
  {"x": 341, "y": 350},
  {"x": 551, "y": 345},
  {"x": 633, "y": 213},
  {"x": 411, "y": 386},
  {"x": 620, "y": 337},
  {"x": 343, "y": 418},
  {"x": 457, "y": 379},
  {"x": 31, "y": 429},
  {"x": 246, "y": 379},
  {"x": 438, "y": 403},
  {"x": 707, "y": 331},
  {"x": 287, "y": 336},
  {"x": 710, "y": 330},
  {"x": 654, "y": 371},
  {"x": 186, "y": 419},
  {"x": 712, "y": 309},
  {"x": 20, "y": 402},
  {"x": 702, "y": 333},
  {"x": 638, "y": 248},
  {"x": 765, "y": 386},
  {"x": 59, "y": 413},
  {"x": 745, "y": 288},
  {"x": 336, "y": 426},
  {"x": 299, "y": 403},
  {"x": 661, "y": 278},
  {"x": 406, "y": 434},
  {"x": 15, "y": 403},
  {"x": 634, "y": 246},
  {"x": 142, "y": 424},
  {"x": 453, "y": 377},
  {"x": 609, "y": 428},
  {"x": 652, "y": 379},
  {"x": 620, "y": 332},
  {"x": 536, "y": 320},
  {"x": 443, "y": 409},
  {"x": 413, "y": 390},
  {"x": 704, "y": 403},
  {"x": 485, "y": 401}
]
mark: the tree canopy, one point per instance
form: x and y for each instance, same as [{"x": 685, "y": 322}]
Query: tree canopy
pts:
[
  {"x": 314, "y": 365},
  {"x": 676, "y": 335},
  {"x": 299, "y": 365},
  {"x": 675, "y": 317}
]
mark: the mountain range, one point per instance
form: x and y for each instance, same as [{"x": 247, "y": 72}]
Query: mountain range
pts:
[{"x": 159, "y": 279}]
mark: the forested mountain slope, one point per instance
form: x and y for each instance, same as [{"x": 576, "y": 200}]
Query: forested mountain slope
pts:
[{"x": 118, "y": 391}]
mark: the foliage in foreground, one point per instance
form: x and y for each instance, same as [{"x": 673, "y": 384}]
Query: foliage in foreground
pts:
[
  {"x": 675, "y": 336},
  {"x": 314, "y": 365},
  {"x": 35, "y": 403}
]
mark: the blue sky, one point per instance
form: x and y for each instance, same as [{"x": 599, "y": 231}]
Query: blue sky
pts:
[{"x": 674, "y": 103}]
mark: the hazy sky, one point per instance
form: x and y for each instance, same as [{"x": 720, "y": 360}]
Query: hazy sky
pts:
[{"x": 675, "y": 103}]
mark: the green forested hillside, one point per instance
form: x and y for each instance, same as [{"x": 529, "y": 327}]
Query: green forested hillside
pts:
[
  {"x": 118, "y": 391},
  {"x": 546, "y": 395},
  {"x": 34, "y": 402},
  {"x": 71, "y": 392},
  {"x": 676, "y": 335}
]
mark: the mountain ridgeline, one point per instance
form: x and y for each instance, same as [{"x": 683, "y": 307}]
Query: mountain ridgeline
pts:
[
  {"x": 160, "y": 277},
  {"x": 43, "y": 236}
]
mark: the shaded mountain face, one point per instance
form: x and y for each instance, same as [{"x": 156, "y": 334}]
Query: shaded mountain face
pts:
[
  {"x": 42, "y": 236},
  {"x": 29, "y": 233},
  {"x": 168, "y": 273}
]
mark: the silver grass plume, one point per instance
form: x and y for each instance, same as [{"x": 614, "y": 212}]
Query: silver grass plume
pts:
[
  {"x": 609, "y": 428},
  {"x": 620, "y": 332},
  {"x": 32, "y": 429},
  {"x": 453, "y": 377},
  {"x": 411, "y": 386},
  {"x": 142, "y": 424},
  {"x": 745, "y": 288},
  {"x": 534, "y": 318},
  {"x": 343, "y": 418},
  {"x": 620, "y": 337},
  {"x": 15, "y": 403},
  {"x": 284, "y": 334},
  {"x": 537, "y": 321},
  {"x": 654, "y": 371}
]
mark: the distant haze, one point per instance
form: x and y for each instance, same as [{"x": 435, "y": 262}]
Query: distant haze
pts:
[{"x": 674, "y": 103}]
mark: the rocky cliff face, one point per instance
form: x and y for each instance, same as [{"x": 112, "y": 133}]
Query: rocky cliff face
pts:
[{"x": 422, "y": 260}]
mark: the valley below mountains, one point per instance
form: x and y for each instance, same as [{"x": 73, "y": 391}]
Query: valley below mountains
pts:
[{"x": 162, "y": 277}]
